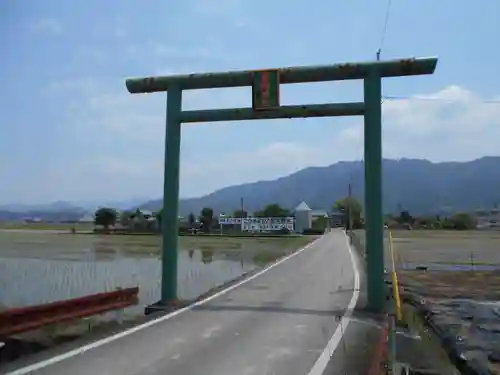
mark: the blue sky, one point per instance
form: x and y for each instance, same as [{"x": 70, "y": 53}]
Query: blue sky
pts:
[{"x": 70, "y": 131}]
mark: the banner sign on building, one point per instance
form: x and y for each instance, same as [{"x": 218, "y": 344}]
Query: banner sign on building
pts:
[{"x": 259, "y": 224}]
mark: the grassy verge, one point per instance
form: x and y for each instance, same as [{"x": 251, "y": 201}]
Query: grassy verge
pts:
[
  {"x": 47, "y": 226},
  {"x": 199, "y": 235},
  {"x": 430, "y": 345},
  {"x": 241, "y": 235}
]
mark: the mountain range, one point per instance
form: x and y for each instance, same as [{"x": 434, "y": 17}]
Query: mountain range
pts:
[
  {"x": 416, "y": 185},
  {"x": 62, "y": 210}
]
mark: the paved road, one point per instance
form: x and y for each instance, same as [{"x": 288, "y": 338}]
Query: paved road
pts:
[{"x": 279, "y": 322}]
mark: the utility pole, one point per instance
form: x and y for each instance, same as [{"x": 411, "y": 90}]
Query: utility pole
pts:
[
  {"x": 349, "y": 209},
  {"x": 242, "y": 209}
]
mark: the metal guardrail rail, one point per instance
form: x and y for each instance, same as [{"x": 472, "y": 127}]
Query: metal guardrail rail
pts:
[{"x": 24, "y": 319}]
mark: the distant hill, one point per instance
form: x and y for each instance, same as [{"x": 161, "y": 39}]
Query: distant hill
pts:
[
  {"x": 57, "y": 211},
  {"x": 59, "y": 206},
  {"x": 419, "y": 186},
  {"x": 92, "y": 205},
  {"x": 62, "y": 210}
]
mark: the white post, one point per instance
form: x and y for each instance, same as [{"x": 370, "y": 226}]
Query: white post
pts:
[{"x": 221, "y": 215}]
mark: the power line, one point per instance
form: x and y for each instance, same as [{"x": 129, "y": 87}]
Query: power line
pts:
[
  {"x": 391, "y": 97},
  {"x": 384, "y": 30}
]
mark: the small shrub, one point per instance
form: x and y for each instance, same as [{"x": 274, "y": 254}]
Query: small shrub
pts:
[
  {"x": 283, "y": 231},
  {"x": 313, "y": 231}
]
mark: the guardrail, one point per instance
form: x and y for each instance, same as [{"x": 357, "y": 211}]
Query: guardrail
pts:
[{"x": 19, "y": 320}]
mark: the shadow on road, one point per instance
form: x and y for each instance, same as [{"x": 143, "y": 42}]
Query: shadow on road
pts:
[{"x": 359, "y": 313}]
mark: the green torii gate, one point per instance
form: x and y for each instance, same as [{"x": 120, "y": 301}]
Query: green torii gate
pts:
[{"x": 266, "y": 105}]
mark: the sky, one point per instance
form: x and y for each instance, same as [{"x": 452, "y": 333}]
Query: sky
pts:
[{"x": 71, "y": 131}]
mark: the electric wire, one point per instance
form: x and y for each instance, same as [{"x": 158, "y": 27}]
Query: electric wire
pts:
[
  {"x": 384, "y": 29},
  {"x": 391, "y": 97}
]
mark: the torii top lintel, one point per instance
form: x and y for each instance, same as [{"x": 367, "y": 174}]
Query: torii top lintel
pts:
[{"x": 300, "y": 74}]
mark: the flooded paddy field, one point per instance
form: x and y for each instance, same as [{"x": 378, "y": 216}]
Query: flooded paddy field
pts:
[
  {"x": 39, "y": 267},
  {"x": 457, "y": 274},
  {"x": 460, "y": 250}
]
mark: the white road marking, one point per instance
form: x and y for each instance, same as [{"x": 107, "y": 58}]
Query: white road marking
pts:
[
  {"x": 128, "y": 332},
  {"x": 321, "y": 363}
]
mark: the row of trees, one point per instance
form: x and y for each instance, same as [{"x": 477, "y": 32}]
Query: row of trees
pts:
[
  {"x": 108, "y": 217},
  {"x": 207, "y": 220},
  {"x": 350, "y": 206},
  {"x": 349, "y": 211},
  {"x": 458, "y": 221}
]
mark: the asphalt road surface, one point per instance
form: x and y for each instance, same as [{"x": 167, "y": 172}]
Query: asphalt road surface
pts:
[{"x": 292, "y": 319}]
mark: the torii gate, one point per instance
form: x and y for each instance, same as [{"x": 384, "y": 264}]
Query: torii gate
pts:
[{"x": 266, "y": 105}]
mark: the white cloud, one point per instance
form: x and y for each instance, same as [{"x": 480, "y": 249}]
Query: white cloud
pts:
[
  {"x": 120, "y": 32},
  {"x": 91, "y": 54},
  {"x": 451, "y": 124},
  {"x": 232, "y": 12},
  {"x": 83, "y": 85},
  {"x": 46, "y": 26},
  {"x": 265, "y": 163}
]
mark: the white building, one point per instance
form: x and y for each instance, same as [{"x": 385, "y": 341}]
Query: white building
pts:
[
  {"x": 303, "y": 217},
  {"x": 88, "y": 218},
  {"x": 487, "y": 218},
  {"x": 259, "y": 224}
]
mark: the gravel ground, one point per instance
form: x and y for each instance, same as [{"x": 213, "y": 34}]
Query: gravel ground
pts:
[{"x": 460, "y": 285}]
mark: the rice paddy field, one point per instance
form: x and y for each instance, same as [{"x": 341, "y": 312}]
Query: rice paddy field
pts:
[
  {"x": 458, "y": 275},
  {"x": 48, "y": 264},
  {"x": 41, "y": 266}
]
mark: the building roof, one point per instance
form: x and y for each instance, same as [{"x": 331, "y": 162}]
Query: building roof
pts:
[
  {"x": 336, "y": 213},
  {"x": 146, "y": 212},
  {"x": 322, "y": 213},
  {"x": 302, "y": 207},
  {"x": 87, "y": 219}
]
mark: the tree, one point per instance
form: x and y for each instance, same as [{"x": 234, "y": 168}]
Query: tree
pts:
[
  {"x": 320, "y": 223},
  {"x": 349, "y": 205},
  {"x": 126, "y": 218},
  {"x": 240, "y": 213},
  {"x": 191, "y": 220},
  {"x": 462, "y": 221},
  {"x": 159, "y": 217},
  {"x": 428, "y": 222},
  {"x": 207, "y": 218},
  {"x": 273, "y": 210},
  {"x": 105, "y": 216},
  {"x": 405, "y": 218}
]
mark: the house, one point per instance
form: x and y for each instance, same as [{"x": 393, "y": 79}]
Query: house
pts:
[
  {"x": 336, "y": 218},
  {"x": 487, "y": 218},
  {"x": 318, "y": 213},
  {"x": 140, "y": 220},
  {"x": 88, "y": 218}
]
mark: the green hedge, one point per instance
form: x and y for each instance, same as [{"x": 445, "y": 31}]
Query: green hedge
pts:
[{"x": 313, "y": 231}]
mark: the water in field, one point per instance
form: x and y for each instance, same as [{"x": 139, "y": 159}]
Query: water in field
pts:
[
  {"x": 42, "y": 267},
  {"x": 451, "y": 267}
]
